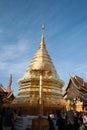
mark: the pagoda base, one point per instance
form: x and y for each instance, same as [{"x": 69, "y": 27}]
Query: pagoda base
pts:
[
  {"x": 35, "y": 109},
  {"x": 31, "y": 123},
  {"x": 40, "y": 123}
]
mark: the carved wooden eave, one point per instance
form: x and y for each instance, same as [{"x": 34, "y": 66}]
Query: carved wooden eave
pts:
[
  {"x": 76, "y": 87},
  {"x": 6, "y": 95},
  {"x": 2, "y": 89},
  {"x": 8, "y": 98}
]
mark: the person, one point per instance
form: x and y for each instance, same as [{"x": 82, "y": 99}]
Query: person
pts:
[
  {"x": 51, "y": 121},
  {"x": 76, "y": 116},
  {"x": 80, "y": 121},
  {"x": 85, "y": 120},
  {"x": 20, "y": 112},
  {"x": 54, "y": 122},
  {"x": 3, "y": 117},
  {"x": 60, "y": 121},
  {"x": 14, "y": 118},
  {"x": 2, "y": 111},
  {"x": 70, "y": 120},
  {"x": 8, "y": 119}
]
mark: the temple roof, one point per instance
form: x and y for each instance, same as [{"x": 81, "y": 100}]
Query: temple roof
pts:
[
  {"x": 9, "y": 84},
  {"x": 76, "y": 87},
  {"x": 6, "y": 95},
  {"x": 2, "y": 89}
]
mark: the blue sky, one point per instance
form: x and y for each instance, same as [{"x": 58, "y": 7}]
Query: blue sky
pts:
[{"x": 65, "y": 37}]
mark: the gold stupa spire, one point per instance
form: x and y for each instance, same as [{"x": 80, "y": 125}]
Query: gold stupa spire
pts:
[
  {"x": 40, "y": 73},
  {"x": 42, "y": 43}
]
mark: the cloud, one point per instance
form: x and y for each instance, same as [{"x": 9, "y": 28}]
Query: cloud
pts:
[
  {"x": 1, "y": 31},
  {"x": 81, "y": 67},
  {"x": 81, "y": 70},
  {"x": 67, "y": 69},
  {"x": 12, "y": 58},
  {"x": 14, "y": 50},
  {"x": 13, "y": 68}
]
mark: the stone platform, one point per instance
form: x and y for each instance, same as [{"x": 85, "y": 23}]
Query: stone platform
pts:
[{"x": 31, "y": 122}]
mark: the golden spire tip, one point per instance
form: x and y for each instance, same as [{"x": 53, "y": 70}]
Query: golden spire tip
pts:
[{"x": 43, "y": 27}]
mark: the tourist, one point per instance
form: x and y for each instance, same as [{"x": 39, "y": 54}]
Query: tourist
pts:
[
  {"x": 50, "y": 120},
  {"x": 76, "y": 123},
  {"x": 85, "y": 120},
  {"x": 2, "y": 111},
  {"x": 3, "y": 117},
  {"x": 20, "y": 112},
  {"x": 14, "y": 118},
  {"x": 8, "y": 119},
  {"x": 60, "y": 121},
  {"x": 80, "y": 121},
  {"x": 70, "y": 119}
]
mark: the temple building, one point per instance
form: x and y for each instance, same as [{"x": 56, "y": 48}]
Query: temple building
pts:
[
  {"x": 6, "y": 94},
  {"x": 40, "y": 84},
  {"x": 76, "y": 93}
]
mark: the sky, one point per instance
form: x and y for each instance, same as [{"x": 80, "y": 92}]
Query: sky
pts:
[{"x": 65, "y": 37}]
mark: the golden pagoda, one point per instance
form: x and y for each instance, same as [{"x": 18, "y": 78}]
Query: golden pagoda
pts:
[{"x": 40, "y": 87}]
